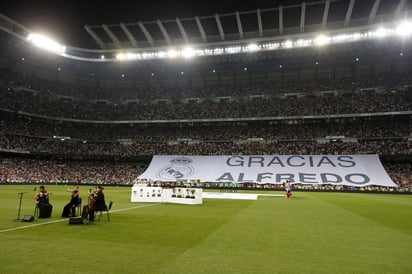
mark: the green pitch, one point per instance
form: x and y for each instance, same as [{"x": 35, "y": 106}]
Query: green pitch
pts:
[{"x": 311, "y": 233}]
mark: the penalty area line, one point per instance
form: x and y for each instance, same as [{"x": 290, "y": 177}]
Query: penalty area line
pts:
[{"x": 62, "y": 220}]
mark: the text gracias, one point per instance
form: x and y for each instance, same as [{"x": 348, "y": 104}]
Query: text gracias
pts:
[{"x": 295, "y": 161}]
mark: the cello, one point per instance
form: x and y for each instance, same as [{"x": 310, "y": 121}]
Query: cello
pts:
[{"x": 91, "y": 201}]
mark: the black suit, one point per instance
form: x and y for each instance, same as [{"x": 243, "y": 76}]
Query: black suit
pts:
[{"x": 99, "y": 204}]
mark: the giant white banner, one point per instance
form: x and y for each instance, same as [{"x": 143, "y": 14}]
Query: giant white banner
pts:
[{"x": 350, "y": 170}]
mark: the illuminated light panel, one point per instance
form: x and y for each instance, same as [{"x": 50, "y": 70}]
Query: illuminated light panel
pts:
[
  {"x": 303, "y": 43},
  {"x": 234, "y": 49},
  {"x": 218, "y": 50},
  {"x": 188, "y": 52},
  {"x": 252, "y": 47},
  {"x": 172, "y": 53},
  {"x": 287, "y": 44},
  {"x": 46, "y": 43},
  {"x": 404, "y": 29},
  {"x": 382, "y": 32},
  {"x": 322, "y": 40},
  {"x": 161, "y": 54}
]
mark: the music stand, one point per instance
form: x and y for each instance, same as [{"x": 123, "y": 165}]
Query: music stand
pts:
[{"x": 21, "y": 198}]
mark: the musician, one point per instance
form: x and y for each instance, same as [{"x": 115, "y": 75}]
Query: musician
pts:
[
  {"x": 99, "y": 203},
  {"x": 42, "y": 202},
  {"x": 90, "y": 195},
  {"x": 70, "y": 208}
]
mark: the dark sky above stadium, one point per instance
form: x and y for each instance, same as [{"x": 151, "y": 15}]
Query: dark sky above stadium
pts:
[{"x": 65, "y": 20}]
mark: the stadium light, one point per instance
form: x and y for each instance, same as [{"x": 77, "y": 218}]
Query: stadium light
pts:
[
  {"x": 46, "y": 43},
  {"x": 288, "y": 44},
  {"x": 172, "y": 53},
  {"x": 404, "y": 29},
  {"x": 188, "y": 52},
  {"x": 319, "y": 40},
  {"x": 233, "y": 49},
  {"x": 322, "y": 40},
  {"x": 382, "y": 32},
  {"x": 252, "y": 47},
  {"x": 128, "y": 56}
]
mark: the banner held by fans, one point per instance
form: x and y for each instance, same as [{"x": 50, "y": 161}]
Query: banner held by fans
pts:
[{"x": 350, "y": 170}]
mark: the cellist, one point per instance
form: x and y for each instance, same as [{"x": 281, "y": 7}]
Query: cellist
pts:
[
  {"x": 91, "y": 200},
  {"x": 99, "y": 203}
]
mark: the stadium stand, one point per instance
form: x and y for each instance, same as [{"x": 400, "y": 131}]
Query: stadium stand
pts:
[{"x": 87, "y": 122}]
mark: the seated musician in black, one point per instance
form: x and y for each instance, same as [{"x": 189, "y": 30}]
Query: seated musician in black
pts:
[
  {"x": 99, "y": 203},
  {"x": 42, "y": 202},
  {"x": 70, "y": 208}
]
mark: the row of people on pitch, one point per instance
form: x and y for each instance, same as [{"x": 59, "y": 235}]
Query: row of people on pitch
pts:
[
  {"x": 96, "y": 203},
  {"x": 228, "y": 187}
]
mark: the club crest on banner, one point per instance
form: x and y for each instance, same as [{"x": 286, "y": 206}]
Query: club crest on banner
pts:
[{"x": 177, "y": 169}]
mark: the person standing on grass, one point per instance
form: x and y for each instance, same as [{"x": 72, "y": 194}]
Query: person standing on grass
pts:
[{"x": 288, "y": 190}]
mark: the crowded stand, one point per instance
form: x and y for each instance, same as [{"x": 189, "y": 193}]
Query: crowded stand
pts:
[
  {"x": 20, "y": 170},
  {"x": 286, "y": 129},
  {"x": 30, "y": 145},
  {"x": 13, "y": 98}
]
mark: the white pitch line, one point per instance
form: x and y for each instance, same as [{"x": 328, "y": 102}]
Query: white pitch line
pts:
[{"x": 62, "y": 220}]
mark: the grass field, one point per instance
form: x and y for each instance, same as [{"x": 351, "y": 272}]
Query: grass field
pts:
[{"x": 311, "y": 233}]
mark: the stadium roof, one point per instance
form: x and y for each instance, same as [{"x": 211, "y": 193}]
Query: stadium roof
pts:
[
  {"x": 168, "y": 29},
  {"x": 65, "y": 20}
]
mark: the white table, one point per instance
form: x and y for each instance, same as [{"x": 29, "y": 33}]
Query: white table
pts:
[{"x": 177, "y": 195}]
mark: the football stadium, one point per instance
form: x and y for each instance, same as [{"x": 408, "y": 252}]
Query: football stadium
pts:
[{"x": 273, "y": 137}]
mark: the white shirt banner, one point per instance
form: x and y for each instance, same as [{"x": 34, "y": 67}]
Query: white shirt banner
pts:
[{"x": 349, "y": 170}]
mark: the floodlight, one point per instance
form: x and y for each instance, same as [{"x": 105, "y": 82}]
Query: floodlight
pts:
[
  {"x": 233, "y": 49},
  {"x": 172, "y": 53},
  {"x": 46, "y": 43},
  {"x": 404, "y": 29},
  {"x": 356, "y": 36},
  {"x": 120, "y": 56},
  {"x": 161, "y": 54},
  {"x": 199, "y": 52},
  {"x": 218, "y": 50},
  {"x": 321, "y": 40},
  {"x": 128, "y": 56},
  {"x": 252, "y": 47},
  {"x": 381, "y": 32},
  {"x": 304, "y": 43},
  {"x": 288, "y": 44},
  {"x": 188, "y": 52}
]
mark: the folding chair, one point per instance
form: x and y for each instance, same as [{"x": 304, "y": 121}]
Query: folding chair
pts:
[
  {"x": 36, "y": 211},
  {"x": 79, "y": 207},
  {"x": 108, "y": 208}
]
